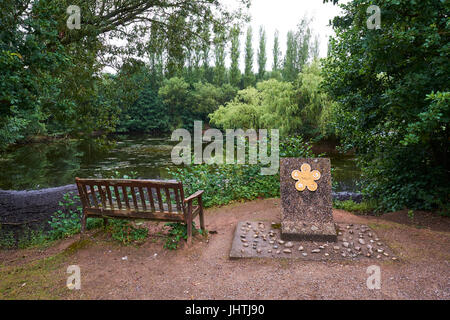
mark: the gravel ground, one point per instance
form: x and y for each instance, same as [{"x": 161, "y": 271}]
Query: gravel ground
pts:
[{"x": 204, "y": 271}]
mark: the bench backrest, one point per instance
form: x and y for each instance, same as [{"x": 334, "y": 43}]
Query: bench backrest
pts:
[{"x": 129, "y": 195}]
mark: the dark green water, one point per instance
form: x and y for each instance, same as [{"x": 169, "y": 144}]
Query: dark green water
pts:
[{"x": 42, "y": 165}]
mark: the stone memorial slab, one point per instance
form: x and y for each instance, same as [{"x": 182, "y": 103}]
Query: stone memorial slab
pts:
[
  {"x": 305, "y": 186},
  {"x": 262, "y": 239}
]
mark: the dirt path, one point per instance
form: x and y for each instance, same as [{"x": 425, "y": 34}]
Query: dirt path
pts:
[{"x": 204, "y": 271}]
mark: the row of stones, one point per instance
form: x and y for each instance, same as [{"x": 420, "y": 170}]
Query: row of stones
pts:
[
  {"x": 361, "y": 247},
  {"x": 259, "y": 233}
]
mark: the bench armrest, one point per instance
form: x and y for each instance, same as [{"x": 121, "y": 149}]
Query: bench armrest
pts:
[{"x": 193, "y": 196}]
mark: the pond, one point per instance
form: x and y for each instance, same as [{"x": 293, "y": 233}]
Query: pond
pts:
[{"x": 43, "y": 165}]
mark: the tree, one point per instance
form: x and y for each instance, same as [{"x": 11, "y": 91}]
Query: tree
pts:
[
  {"x": 176, "y": 96},
  {"x": 219, "y": 53},
  {"x": 50, "y": 73},
  {"x": 298, "y": 50},
  {"x": 290, "y": 70},
  {"x": 392, "y": 90},
  {"x": 235, "y": 72},
  {"x": 276, "y": 52},
  {"x": 249, "y": 77},
  {"x": 271, "y": 105},
  {"x": 262, "y": 57}
]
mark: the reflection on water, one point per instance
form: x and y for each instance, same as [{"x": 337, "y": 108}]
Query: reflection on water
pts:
[{"x": 43, "y": 165}]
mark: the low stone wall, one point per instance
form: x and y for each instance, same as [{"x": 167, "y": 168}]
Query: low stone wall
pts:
[
  {"x": 345, "y": 195},
  {"x": 24, "y": 210}
]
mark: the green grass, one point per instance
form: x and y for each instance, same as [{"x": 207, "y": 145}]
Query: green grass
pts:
[{"x": 365, "y": 207}]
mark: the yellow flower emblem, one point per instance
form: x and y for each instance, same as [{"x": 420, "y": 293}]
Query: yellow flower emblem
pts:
[{"x": 305, "y": 178}]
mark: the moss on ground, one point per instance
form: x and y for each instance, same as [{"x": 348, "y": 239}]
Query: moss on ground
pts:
[{"x": 39, "y": 279}]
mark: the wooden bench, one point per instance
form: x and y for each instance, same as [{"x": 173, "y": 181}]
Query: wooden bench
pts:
[{"x": 159, "y": 200}]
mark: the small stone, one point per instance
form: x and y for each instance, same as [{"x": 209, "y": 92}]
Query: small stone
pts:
[
  {"x": 361, "y": 241},
  {"x": 275, "y": 247},
  {"x": 368, "y": 255},
  {"x": 278, "y": 251},
  {"x": 321, "y": 247},
  {"x": 255, "y": 236},
  {"x": 349, "y": 250},
  {"x": 386, "y": 254},
  {"x": 300, "y": 248},
  {"x": 379, "y": 243},
  {"x": 378, "y": 256},
  {"x": 287, "y": 251},
  {"x": 339, "y": 233},
  {"x": 245, "y": 244},
  {"x": 280, "y": 241},
  {"x": 346, "y": 244},
  {"x": 344, "y": 255},
  {"x": 315, "y": 251},
  {"x": 370, "y": 234},
  {"x": 258, "y": 250},
  {"x": 327, "y": 254},
  {"x": 269, "y": 251},
  {"x": 242, "y": 250},
  {"x": 350, "y": 231},
  {"x": 289, "y": 244},
  {"x": 358, "y": 248},
  {"x": 394, "y": 258},
  {"x": 271, "y": 241},
  {"x": 243, "y": 236},
  {"x": 336, "y": 247},
  {"x": 314, "y": 228},
  {"x": 244, "y": 240},
  {"x": 380, "y": 250},
  {"x": 304, "y": 254}
]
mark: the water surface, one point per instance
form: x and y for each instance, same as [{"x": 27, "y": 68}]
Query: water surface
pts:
[{"x": 42, "y": 165}]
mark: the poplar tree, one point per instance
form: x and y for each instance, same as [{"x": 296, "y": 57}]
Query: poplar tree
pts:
[
  {"x": 248, "y": 74},
  {"x": 235, "y": 73},
  {"x": 262, "y": 57},
  {"x": 276, "y": 52}
]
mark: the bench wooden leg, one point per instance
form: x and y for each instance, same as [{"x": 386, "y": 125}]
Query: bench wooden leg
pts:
[
  {"x": 105, "y": 222},
  {"x": 189, "y": 224},
  {"x": 200, "y": 215}
]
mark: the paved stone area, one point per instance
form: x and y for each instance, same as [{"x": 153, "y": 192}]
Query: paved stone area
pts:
[{"x": 256, "y": 239}]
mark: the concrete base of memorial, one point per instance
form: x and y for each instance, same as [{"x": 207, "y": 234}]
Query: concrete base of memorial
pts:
[
  {"x": 308, "y": 231},
  {"x": 257, "y": 239}
]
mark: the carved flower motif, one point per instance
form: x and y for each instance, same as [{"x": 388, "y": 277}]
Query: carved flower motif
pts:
[{"x": 305, "y": 178}]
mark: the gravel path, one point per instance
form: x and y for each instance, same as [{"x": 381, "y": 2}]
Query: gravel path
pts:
[{"x": 205, "y": 271}]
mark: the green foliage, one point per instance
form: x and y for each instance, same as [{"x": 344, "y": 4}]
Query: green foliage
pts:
[
  {"x": 270, "y": 105},
  {"x": 178, "y": 232},
  {"x": 235, "y": 72},
  {"x": 224, "y": 183},
  {"x": 297, "y": 50},
  {"x": 125, "y": 232},
  {"x": 365, "y": 207},
  {"x": 314, "y": 103},
  {"x": 67, "y": 221},
  {"x": 262, "y": 56},
  {"x": 249, "y": 77},
  {"x": 391, "y": 89}
]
